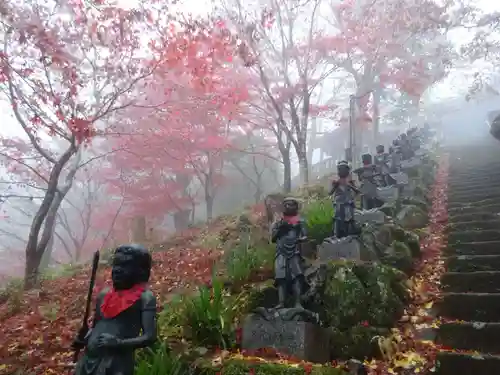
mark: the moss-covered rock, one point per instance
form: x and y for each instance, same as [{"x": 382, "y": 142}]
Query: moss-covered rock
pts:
[
  {"x": 356, "y": 342},
  {"x": 411, "y": 217},
  {"x": 344, "y": 286},
  {"x": 384, "y": 235},
  {"x": 398, "y": 255}
]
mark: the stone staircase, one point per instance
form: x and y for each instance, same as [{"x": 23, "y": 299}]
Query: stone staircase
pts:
[{"x": 471, "y": 285}]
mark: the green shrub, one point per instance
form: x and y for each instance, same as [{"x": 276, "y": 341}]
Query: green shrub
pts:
[
  {"x": 319, "y": 218},
  {"x": 208, "y": 317}
]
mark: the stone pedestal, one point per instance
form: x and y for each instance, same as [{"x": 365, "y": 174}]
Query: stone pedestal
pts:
[
  {"x": 401, "y": 178},
  {"x": 347, "y": 248},
  {"x": 411, "y": 163},
  {"x": 302, "y": 340},
  {"x": 369, "y": 189},
  {"x": 387, "y": 194},
  {"x": 369, "y": 216}
]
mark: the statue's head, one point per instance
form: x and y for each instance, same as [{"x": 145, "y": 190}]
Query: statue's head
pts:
[
  {"x": 343, "y": 169},
  {"x": 395, "y": 142},
  {"x": 403, "y": 136},
  {"x": 290, "y": 206},
  {"x": 380, "y": 149},
  {"x": 366, "y": 159},
  {"x": 131, "y": 266}
]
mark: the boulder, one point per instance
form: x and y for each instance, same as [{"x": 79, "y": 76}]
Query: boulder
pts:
[{"x": 411, "y": 217}]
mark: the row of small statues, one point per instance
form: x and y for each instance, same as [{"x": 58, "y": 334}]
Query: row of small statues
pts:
[
  {"x": 376, "y": 172},
  {"x": 290, "y": 231}
]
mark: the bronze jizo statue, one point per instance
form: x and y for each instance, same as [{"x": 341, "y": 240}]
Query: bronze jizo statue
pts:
[
  {"x": 124, "y": 318},
  {"x": 288, "y": 233}
]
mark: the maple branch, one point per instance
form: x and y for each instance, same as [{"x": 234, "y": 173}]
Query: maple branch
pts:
[{"x": 18, "y": 116}]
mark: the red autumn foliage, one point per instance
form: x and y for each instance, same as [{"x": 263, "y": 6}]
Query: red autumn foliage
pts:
[{"x": 184, "y": 127}]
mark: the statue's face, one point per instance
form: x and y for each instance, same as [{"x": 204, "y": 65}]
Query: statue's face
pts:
[
  {"x": 343, "y": 171},
  {"x": 290, "y": 208},
  {"x": 124, "y": 273}
]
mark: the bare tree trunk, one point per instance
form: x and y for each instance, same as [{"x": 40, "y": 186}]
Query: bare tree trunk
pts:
[
  {"x": 47, "y": 254},
  {"x": 376, "y": 115},
  {"x": 303, "y": 164},
  {"x": 181, "y": 219},
  {"x": 139, "y": 229},
  {"x": 312, "y": 140},
  {"x": 209, "y": 204},
  {"x": 46, "y": 215},
  {"x": 287, "y": 171}
]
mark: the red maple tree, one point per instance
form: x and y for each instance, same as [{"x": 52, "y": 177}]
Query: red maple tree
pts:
[
  {"x": 171, "y": 150},
  {"x": 375, "y": 39}
]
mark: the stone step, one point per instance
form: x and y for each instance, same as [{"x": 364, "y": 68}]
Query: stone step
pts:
[
  {"x": 474, "y": 248},
  {"x": 474, "y": 173},
  {"x": 467, "y": 364},
  {"x": 474, "y": 216},
  {"x": 471, "y": 185},
  {"x": 474, "y": 225},
  {"x": 471, "y": 336},
  {"x": 494, "y": 208},
  {"x": 458, "y": 190},
  {"x": 474, "y": 235},
  {"x": 472, "y": 201},
  {"x": 473, "y": 263},
  {"x": 473, "y": 282},
  {"x": 467, "y": 180},
  {"x": 481, "y": 307}
]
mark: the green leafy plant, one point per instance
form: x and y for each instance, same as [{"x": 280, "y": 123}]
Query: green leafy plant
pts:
[
  {"x": 246, "y": 258},
  {"x": 319, "y": 219},
  {"x": 208, "y": 318},
  {"x": 160, "y": 361},
  {"x": 171, "y": 318}
]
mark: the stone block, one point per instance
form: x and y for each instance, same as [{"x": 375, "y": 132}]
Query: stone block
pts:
[
  {"x": 387, "y": 194},
  {"x": 302, "y": 340},
  {"x": 369, "y": 189},
  {"x": 347, "y": 248},
  {"x": 367, "y": 216}
]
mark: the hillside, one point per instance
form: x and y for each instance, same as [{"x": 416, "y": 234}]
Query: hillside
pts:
[{"x": 38, "y": 327}]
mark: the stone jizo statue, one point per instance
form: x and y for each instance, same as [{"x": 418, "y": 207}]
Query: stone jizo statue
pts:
[
  {"x": 124, "y": 318},
  {"x": 344, "y": 192},
  {"x": 288, "y": 233}
]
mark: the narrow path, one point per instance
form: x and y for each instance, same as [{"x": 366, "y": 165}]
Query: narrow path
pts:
[{"x": 470, "y": 308}]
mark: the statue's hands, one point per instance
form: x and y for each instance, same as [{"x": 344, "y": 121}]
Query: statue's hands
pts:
[
  {"x": 80, "y": 340},
  {"x": 107, "y": 341},
  {"x": 78, "y": 344},
  {"x": 302, "y": 239}
]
